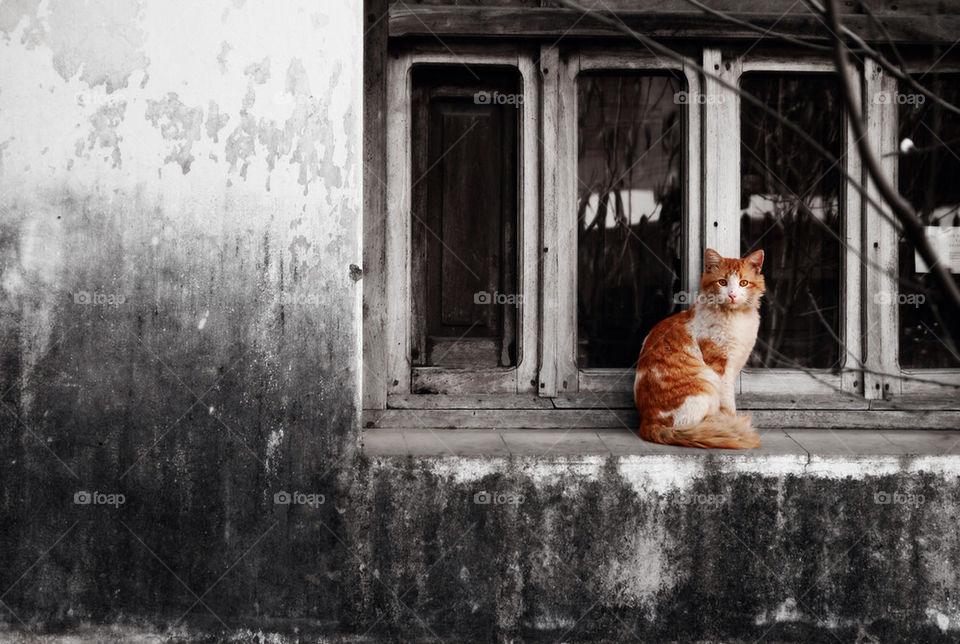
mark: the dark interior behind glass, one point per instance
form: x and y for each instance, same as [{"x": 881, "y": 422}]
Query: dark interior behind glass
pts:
[
  {"x": 791, "y": 207},
  {"x": 630, "y": 210},
  {"x": 929, "y": 177}
]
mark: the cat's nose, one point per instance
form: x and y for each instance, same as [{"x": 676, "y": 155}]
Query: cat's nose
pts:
[{"x": 733, "y": 298}]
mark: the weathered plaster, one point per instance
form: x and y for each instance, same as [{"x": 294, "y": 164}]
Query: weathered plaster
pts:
[
  {"x": 103, "y": 131},
  {"x": 189, "y": 343},
  {"x": 102, "y": 40},
  {"x": 179, "y": 125}
]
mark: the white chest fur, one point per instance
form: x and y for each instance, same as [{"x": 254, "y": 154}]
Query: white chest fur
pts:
[{"x": 734, "y": 332}]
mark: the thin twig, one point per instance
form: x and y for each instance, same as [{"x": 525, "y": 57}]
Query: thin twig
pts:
[
  {"x": 884, "y": 63},
  {"x": 757, "y": 28},
  {"x": 904, "y": 219},
  {"x": 655, "y": 47},
  {"x": 912, "y": 226}
]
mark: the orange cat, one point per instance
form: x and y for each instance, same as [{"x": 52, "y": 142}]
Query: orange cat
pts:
[{"x": 689, "y": 362}]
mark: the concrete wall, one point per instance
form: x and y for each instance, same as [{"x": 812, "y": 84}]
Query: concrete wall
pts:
[
  {"x": 180, "y": 213},
  {"x": 718, "y": 548}
]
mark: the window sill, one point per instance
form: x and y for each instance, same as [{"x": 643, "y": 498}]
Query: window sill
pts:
[
  {"x": 564, "y": 443},
  {"x": 600, "y": 411}
]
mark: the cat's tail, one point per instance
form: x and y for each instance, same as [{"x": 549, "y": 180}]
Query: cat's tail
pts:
[{"x": 722, "y": 430}]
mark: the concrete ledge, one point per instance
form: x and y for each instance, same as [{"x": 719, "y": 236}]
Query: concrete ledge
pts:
[{"x": 426, "y": 442}]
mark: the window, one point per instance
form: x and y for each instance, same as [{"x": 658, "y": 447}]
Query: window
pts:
[
  {"x": 464, "y": 135},
  {"x": 626, "y": 139},
  {"x": 461, "y": 276},
  {"x": 910, "y": 342},
  {"x": 767, "y": 188},
  {"x": 791, "y": 200},
  {"x": 547, "y": 205},
  {"x": 928, "y": 176},
  {"x": 630, "y": 176}
]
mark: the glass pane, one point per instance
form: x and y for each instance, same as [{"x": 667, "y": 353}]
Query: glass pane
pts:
[
  {"x": 631, "y": 141},
  {"x": 929, "y": 177},
  {"x": 791, "y": 208}
]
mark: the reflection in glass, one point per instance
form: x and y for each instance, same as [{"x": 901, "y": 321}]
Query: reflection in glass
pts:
[
  {"x": 629, "y": 212},
  {"x": 929, "y": 177},
  {"x": 791, "y": 208}
]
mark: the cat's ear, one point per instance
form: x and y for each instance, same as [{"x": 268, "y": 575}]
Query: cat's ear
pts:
[
  {"x": 711, "y": 259},
  {"x": 755, "y": 259}
]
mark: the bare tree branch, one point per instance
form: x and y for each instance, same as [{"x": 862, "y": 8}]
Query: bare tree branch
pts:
[
  {"x": 757, "y": 28},
  {"x": 904, "y": 219},
  {"x": 889, "y": 67},
  {"x": 656, "y": 47},
  {"x": 912, "y": 225}
]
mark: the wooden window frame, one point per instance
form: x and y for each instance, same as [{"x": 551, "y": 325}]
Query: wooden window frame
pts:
[
  {"x": 401, "y": 376},
  {"x": 547, "y": 239},
  {"x": 560, "y": 373},
  {"x": 722, "y": 189},
  {"x": 883, "y": 332}
]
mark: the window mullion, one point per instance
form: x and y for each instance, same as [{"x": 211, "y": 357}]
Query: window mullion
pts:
[
  {"x": 881, "y": 242},
  {"x": 851, "y": 295},
  {"x": 721, "y": 166},
  {"x": 558, "y": 371},
  {"x": 398, "y": 228},
  {"x": 721, "y": 124}
]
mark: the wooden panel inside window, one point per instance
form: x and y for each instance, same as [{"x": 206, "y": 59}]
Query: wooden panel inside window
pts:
[{"x": 464, "y": 211}]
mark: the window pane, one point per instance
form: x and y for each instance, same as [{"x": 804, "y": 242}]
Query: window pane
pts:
[
  {"x": 464, "y": 211},
  {"x": 791, "y": 208},
  {"x": 631, "y": 141},
  {"x": 929, "y": 177}
]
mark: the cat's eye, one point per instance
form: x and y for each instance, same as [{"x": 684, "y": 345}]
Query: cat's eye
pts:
[
  {"x": 722, "y": 282},
  {"x": 744, "y": 282}
]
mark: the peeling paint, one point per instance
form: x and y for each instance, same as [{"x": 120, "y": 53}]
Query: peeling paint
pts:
[
  {"x": 258, "y": 73},
  {"x": 241, "y": 145},
  {"x": 178, "y": 124},
  {"x": 215, "y": 121},
  {"x": 100, "y": 39},
  {"x": 103, "y": 132},
  {"x": 305, "y": 136},
  {"x": 225, "y": 49},
  {"x": 12, "y": 12},
  {"x": 3, "y": 147}
]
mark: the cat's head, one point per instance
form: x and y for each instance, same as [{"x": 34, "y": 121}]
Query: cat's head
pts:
[{"x": 732, "y": 283}]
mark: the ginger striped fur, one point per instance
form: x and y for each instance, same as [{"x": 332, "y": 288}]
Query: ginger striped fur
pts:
[{"x": 688, "y": 366}]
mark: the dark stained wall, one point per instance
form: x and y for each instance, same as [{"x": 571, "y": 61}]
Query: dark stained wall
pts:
[{"x": 180, "y": 204}]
